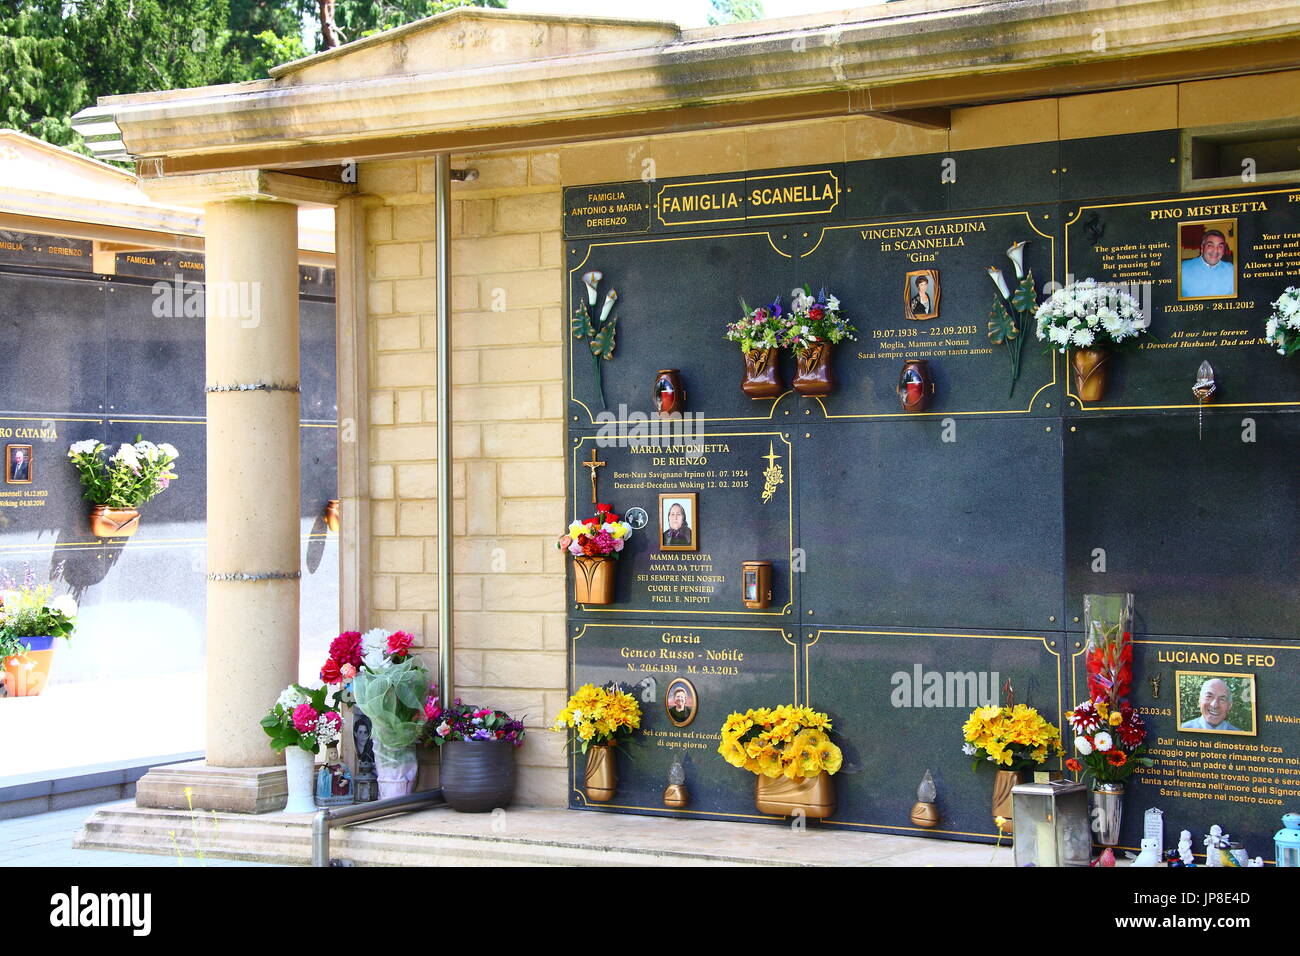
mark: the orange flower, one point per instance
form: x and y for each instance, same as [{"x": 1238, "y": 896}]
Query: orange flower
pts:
[
  {"x": 1073, "y": 765},
  {"x": 1117, "y": 758}
]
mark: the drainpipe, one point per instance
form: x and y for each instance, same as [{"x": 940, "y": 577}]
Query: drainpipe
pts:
[{"x": 442, "y": 211}]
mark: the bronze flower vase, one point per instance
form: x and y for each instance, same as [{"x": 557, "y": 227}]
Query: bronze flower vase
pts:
[
  {"x": 762, "y": 374},
  {"x": 593, "y": 579},
  {"x": 814, "y": 375},
  {"x": 1091, "y": 368},
  {"x": 1003, "y": 781},
  {"x": 814, "y": 797},
  {"x": 106, "y": 522},
  {"x": 600, "y": 780}
]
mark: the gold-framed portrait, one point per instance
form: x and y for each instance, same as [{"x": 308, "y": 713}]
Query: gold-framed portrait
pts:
[
  {"x": 679, "y": 521},
  {"x": 1212, "y": 702},
  {"x": 18, "y": 464},
  {"x": 921, "y": 295},
  {"x": 1207, "y": 259},
  {"x": 681, "y": 702}
]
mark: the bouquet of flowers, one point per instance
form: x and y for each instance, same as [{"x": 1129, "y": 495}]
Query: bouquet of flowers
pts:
[
  {"x": 785, "y": 741},
  {"x": 603, "y": 534},
  {"x": 814, "y": 321},
  {"x": 599, "y": 715},
  {"x": 1108, "y": 658},
  {"x": 758, "y": 329},
  {"x": 134, "y": 474},
  {"x": 341, "y": 665},
  {"x": 1109, "y": 738},
  {"x": 1283, "y": 328},
  {"x": 390, "y": 684},
  {"x": 1089, "y": 314},
  {"x": 462, "y": 721},
  {"x": 1015, "y": 738},
  {"x": 302, "y": 718},
  {"x": 30, "y": 610}
]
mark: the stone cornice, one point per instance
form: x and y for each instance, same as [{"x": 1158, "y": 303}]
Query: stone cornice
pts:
[
  {"x": 260, "y": 185},
  {"x": 871, "y": 57}
]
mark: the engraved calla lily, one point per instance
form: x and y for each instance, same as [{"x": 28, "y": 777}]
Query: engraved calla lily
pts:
[
  {"x": 1017, "y": 255},
  {"x": 996, "y": 275},
  {"x": 591, "y": 280},
  {"x": 610, "y": 298}
]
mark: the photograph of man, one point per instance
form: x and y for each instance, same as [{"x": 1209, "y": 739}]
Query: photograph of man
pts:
[
  {"x": 677, "y": 522},
  {"x": 1208, "y": 271},
  {"x": 1214, "y": 698},
  {"x": 680, "y": 703},
  {"x": 18, "y": 464},
  {"x": 921, "y": 293}
]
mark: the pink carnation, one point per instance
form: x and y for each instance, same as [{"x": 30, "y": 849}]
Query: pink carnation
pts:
[
  {"x": 346, "y": 648},
  {"x": 347, "y": 672},
  {"x": 304, "y": 718},
  {"x": 431, "y": 709},
  {"x": 334, "y": 719},
  {"x": 400, "y": 643}
]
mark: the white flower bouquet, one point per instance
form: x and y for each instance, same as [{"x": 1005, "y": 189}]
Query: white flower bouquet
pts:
[
  {"x": 1283, "y": 329},
  {"x": 1089, "y": 314},
  {"x": 135, "y": 473}
]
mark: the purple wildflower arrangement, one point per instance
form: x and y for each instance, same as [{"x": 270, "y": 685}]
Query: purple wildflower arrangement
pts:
[{"x": 461, "y": 721}]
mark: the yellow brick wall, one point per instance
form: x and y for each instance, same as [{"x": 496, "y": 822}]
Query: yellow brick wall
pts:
[{"x": 508, "y": 339}]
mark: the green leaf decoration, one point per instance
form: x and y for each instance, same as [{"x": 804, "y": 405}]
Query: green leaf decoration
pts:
[
  {"x": 602, "y": 343},
  {"x": 1025, "y": 299},
  {"x": 582, "y": 323},
  {"x": 1002, "y": 328}
]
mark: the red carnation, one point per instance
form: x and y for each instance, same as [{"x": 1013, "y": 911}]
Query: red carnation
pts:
[
  {"x": 399, "y": 643},
  {"x": 346, "y": 648},
  {"x": 816, "y": 312},
  {"x": 603, "y": 507},
  {"x": 1073, "y": 765},
  {"x": 330, "y": 673}
]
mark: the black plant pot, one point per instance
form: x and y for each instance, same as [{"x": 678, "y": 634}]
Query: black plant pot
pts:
[{"x": 478, "y": 775}]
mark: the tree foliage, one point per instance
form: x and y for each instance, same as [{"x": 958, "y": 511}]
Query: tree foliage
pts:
[
  {"x": 59, "y": 56},
  {"x": 734, "y": 11}
]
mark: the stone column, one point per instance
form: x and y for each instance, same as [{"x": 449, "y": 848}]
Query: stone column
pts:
[{"x": 254, "y": 496}]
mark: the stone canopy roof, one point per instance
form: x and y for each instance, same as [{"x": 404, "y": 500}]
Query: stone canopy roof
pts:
[{"x": 474, "y": 78}]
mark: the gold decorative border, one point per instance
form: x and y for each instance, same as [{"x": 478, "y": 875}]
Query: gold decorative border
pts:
[
  {"x": 789, "y": 494},
  {"x": 1069, "y": 385},
  {"x": 786, "y": 636}
]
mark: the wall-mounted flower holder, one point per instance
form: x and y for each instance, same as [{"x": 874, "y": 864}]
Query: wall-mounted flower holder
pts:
[
  {"x": 915, "y": 386},
  {"x": 756, "y": 577}
]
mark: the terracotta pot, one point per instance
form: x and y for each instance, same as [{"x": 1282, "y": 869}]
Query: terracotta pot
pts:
[
  {"x": 915, "y": 386},
  {"x": 332, "y": 515},
  {"x": 813, "y": 372},
  {"x": 25, "y": 675},
  {"x": 1003, "y": 781},
  {"x": 478, "y": 775},
  {"x": 106, "y": 522},
  {"x": 783, "y": 797},
  {"x": 670, "y": 394},
  {"x": 600, "y": 780},
  {"x": 593, "y": 579},
  {"x": 1091, "y": 367},
  {"x": 762, "y": 374}
]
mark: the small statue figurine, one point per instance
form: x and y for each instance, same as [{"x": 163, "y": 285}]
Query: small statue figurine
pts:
[
  {"x": 1106, "y": 859},
  {"x": 1215, "y": 841},
  {"x": 1150, "y": 855},
  {"x": 1185, "y": 849},
  {"x": 333, "y": 781}
]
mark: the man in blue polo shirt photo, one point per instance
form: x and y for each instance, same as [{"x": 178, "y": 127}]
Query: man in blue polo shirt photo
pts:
[{"x": 1208, "y": 274}]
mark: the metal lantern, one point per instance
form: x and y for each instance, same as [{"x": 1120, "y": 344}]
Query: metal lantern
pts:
[
  {"x": 1051, "y": 822},
  {"x": 1288, "y": 841}
]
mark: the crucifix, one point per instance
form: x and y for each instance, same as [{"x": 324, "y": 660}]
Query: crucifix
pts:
[{"x": 593, "y": 464}]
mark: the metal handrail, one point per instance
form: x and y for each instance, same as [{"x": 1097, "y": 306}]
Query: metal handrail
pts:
[{"x": 329, "y": 817}]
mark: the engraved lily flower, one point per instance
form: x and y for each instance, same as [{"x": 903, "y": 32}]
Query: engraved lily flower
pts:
[
  {"x": 610, "y": 298},
  {"x": 996, "y": 275},
  {"x": 1017, "y": 256},
  {"x": 591, "y": 280}
]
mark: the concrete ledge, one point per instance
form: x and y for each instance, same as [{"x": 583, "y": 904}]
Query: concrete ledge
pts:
[
  {"x": 197, "y": 786},
  {"x": 26, "y": 794},
  {"x": 519, "y": 836}
]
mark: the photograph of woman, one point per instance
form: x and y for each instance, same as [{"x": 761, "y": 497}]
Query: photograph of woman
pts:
[
  {"x": 921, "y": 293},
  {"x": 677, "y": 522}
]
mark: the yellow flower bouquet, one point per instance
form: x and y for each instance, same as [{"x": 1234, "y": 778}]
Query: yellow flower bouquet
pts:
[
  {"x": 597, "y": 715},
  {"x": 785, "y": 741},
  {"x": 1011, "y": 738}
]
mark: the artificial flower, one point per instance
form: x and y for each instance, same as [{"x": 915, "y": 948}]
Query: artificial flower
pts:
[
  {"x": 1102, "y": 741},
  {"x": 1017, "y": 256},
  {"x": 591, "y": 280},
  {"x": 1083, "y": 745}
]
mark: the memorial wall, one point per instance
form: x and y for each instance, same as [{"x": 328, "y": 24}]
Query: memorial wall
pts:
[
  {"x": 931, "y": 537},
  {"x": 84, "y": 355}
]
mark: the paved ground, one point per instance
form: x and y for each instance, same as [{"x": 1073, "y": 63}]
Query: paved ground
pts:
[{"x": 46, "y": 840}]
